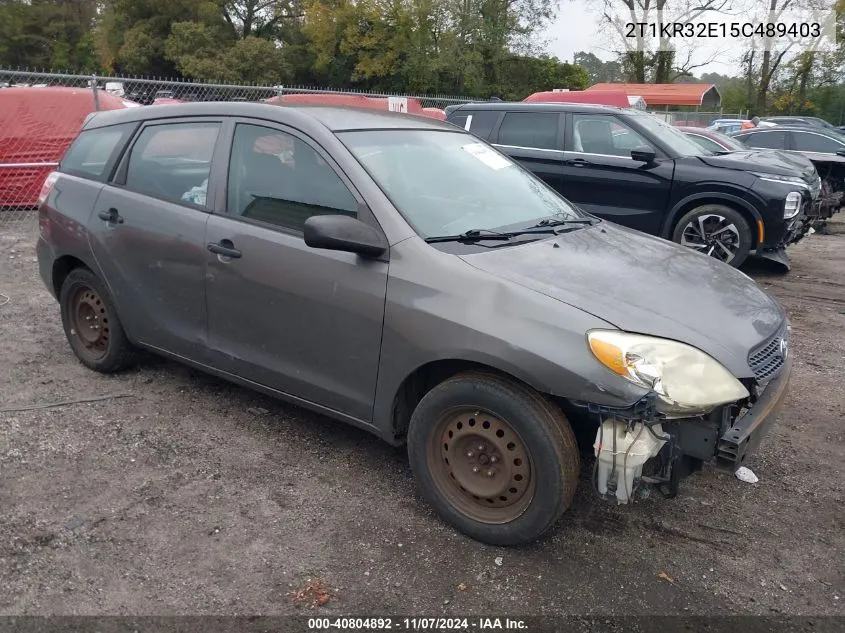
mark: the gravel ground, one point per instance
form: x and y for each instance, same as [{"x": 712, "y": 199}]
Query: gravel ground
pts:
[{"x": 193, "y": 496}]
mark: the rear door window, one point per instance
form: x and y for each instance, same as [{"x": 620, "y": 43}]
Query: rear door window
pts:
[
  {"x": 172, "y": 161},
  {"x": 93, "y": 151},
  {"x": 530, "y": 129}
]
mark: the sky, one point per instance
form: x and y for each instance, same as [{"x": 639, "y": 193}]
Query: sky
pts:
[{"x": 577, "y": 28}]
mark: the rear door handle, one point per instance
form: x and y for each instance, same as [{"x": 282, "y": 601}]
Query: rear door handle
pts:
[
  {"x": 112, "y": 216},
  {"x": 225, "y": 248}
]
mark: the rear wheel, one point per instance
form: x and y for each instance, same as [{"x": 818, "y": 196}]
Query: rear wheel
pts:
[
  {"x": 91, "y": 323},
  {"x": 717, "y": 231},
  {"x": 496, "y": 459}
]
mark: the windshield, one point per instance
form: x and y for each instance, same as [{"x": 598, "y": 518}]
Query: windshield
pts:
[
  {"x": 669, "y": 136},
  {"x": 445, "y": 183}
]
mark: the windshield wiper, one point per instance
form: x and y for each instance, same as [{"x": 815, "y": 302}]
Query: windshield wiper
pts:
[
  {"x": 474, "y": 235},
  {"x": 564, "y": 221}
]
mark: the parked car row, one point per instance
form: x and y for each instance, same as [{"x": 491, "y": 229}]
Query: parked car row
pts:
[
  {"x": 799, "y": 143},
  {"x": 399, "y": 274},
  {"x": 632, "y": 168}
]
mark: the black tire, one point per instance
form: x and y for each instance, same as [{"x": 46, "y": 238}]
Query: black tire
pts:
[
  {"x": 91, "y": 324},
  {"x": 716, "y": 217},
  {"x": 523, "y": 423}
]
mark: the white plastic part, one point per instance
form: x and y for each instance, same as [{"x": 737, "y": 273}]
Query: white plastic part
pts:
[
  {"x": 746, "y": 474},
  {"x": 632, "y": 449}
]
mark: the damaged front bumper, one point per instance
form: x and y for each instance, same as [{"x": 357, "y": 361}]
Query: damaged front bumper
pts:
[{"x": 637, "y": 448}]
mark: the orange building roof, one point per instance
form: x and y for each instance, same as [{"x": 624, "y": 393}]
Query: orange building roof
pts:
[{"x": 669, "y": 94}]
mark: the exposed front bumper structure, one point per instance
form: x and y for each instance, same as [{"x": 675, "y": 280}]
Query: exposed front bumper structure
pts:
[
  {"x": 744, "y": 435},
  {"x": 649, "y": 450}
]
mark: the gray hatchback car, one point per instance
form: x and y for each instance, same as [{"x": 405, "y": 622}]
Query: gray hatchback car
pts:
[{"x": 398, "y": 274}]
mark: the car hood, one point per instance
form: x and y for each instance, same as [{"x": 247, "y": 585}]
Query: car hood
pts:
[
  {"x": 646, "y": 285},
  {"x": 767, "y": 160}
]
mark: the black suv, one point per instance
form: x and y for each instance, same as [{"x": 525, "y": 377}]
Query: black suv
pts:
[{"x": 630, "y": 167}]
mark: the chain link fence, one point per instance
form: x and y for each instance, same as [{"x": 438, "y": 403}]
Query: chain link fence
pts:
[{"x": 41, "y": 113}]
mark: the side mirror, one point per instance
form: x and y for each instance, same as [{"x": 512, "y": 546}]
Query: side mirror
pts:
[
  {"x": 841, "y": 152},
  {"x": 643, "y": 154},
  {"x": 344, "y": 233}
]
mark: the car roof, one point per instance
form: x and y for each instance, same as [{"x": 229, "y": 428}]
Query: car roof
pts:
[
  {"x": 334, "y": 118},
  {"x": 793, "y": 128},
  {"x": 785, "y": 118},
  {"x": 555, "y": 106}
]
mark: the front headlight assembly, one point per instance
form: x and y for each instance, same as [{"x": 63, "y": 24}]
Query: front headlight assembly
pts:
[
  {"x": 687, "y": 381},
  {"x": 792, "y": 180},
  {"x": 792, "y": 205}
]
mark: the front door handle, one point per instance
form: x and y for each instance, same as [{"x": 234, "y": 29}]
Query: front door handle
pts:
[
  {"x": 579, "y": 162},
  {"x": 224, "y": 248},
  {"x": 112, "y": 216}
]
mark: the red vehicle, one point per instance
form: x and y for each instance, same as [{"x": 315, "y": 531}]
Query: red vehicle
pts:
[{"x": 37, "y": 125}]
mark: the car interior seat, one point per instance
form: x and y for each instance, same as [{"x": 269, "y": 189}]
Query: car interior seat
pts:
[
  {"x": 263, "y": 176},
  {"x": 595, "y": 137}
]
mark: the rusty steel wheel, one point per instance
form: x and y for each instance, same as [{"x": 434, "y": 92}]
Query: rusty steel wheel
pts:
[
  {"x": 496, "y": 459},
  {"x": 482, "y": 466},
  {"x": 89, "y": 323}
]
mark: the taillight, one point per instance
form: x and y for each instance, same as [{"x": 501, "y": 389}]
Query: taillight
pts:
[{"x": 47, "y": 187}]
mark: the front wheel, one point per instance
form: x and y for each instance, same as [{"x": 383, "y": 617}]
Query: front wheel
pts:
[
  {"x": 717, "y": 231},
  {"x": 497, "y": 460}
]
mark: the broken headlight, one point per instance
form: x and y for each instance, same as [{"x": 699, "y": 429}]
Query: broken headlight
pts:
[{"x": 686, "y": 380}]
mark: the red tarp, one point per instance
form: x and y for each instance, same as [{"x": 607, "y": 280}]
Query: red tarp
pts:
[
  {"x": 609, "y": 97},
  {"x": 37, "y": 125}
]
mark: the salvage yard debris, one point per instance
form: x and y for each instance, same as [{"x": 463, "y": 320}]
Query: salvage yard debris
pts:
[
  {"x": 65, "y": 403},
  {"x": 746, "y": 474},
  {"x": 315, "y": 592},
  {"x": 664, "y": 576}
]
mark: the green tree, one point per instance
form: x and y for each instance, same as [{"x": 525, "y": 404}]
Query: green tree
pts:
[
  {"x": 51, "y": 34},
  {"x": 133, "y": 33},
  {"x": 523, "y": 76},
  {"x": 597, "y": 70}
]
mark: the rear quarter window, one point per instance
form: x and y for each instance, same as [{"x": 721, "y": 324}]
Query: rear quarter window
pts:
[
  {"x": 95, "y": 150},
  {"x": 479, "y": 123},
  {"x": 482, "y": 122}
]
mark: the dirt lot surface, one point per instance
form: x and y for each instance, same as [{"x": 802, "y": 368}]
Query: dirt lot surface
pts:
[{"x": 191, "y": 496}]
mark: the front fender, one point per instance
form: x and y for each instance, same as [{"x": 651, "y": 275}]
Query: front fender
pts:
[
  {"x": 440, "y": 308},
  {"x": 733, "y": 199}
]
